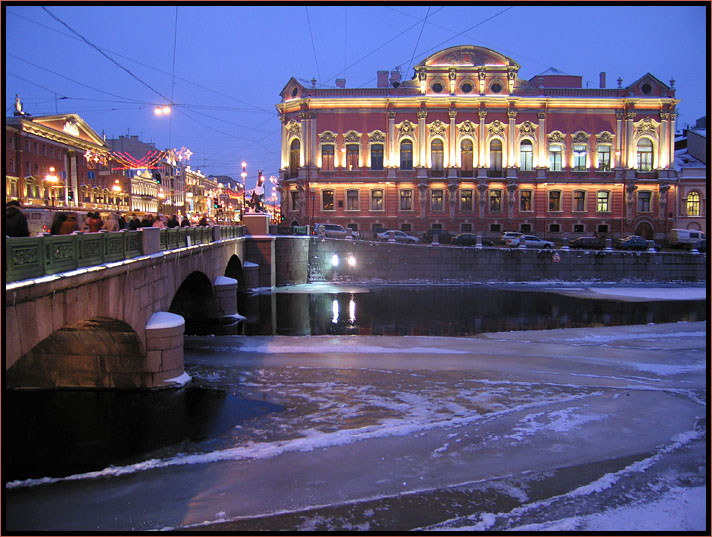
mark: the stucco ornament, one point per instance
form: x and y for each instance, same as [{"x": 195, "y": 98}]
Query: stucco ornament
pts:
[
  {"x": 496, "y": 128},
  {"x": 294, "y": 129},
  {"x": 406, "y": 128},
  {"x": 604, "y": 138},
  {"x": 527, "y": 129},
  {"x": 327, "y": 137},
  {"x": 467, "y": 127},
  {"x": 557, "y": 137},
  {"x": 352, "y": 137},
  {"x": 437, "y": 128},
  {"x": 645, "y": 126},
  {"x": 580, "y": 138},
  {"x": 376, "y": 136}
]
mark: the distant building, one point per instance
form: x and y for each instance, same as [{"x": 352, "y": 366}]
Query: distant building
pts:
[
  {"x": 467, "y": 145},
  {"x": 691, "y": 166}
]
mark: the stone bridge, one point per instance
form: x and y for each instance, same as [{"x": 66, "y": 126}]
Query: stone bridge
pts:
[{"x": 120, "y": 324}]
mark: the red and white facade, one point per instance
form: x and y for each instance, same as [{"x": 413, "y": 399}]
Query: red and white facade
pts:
[{"x": 467, "y": 145}]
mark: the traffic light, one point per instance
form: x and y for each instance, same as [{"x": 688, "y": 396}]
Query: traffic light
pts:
[
  {"x": 215, "y": 204},
  {"x": 157, "y": 178},
  {"x": 70, "y": 195}
]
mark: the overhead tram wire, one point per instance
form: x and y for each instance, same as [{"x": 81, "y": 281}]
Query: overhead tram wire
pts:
[
  {"x": 311, "y": 34},
  {"x": 173, "y": 76},
  {"x": 103, "y": 53},
  {"x": 418, "y": 41},
  {"x": 150, "y": 66}
]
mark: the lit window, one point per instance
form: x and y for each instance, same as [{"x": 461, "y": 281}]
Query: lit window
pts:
[
  {"x": 496, "y": 158},
  {"x": 327, "y": 157},
  {"x": 377, "y": 200},
  {"x": 327, "y": 200},
  {"x": 526, "y": 156},
  {"x": 495, "y": 200},
  {"x": 602, "y": 201},
  {"x": 644, "y": 202},
  {"x": 604, "y": 157},
  {"x": 406, "y": 155},
  {"x": 377, "y": 156},
  {"x": 579, "y": 200},
  {"x": 466, "y": 200},
  {"x": 293, "y": 157},
  {"x": 555, "y": 200},
  {"x": 436, "y": 200},
  {"x": 406, "y": 200},
  {"x": 352, "y": 200},
  {"x": 525, "y": 200},
  {"x": 467, "y": 157},
  {"x": 693, "y": 204},
  {"x": 436, "y": 155},
  {"x": 352, "y": 156},
  {"x": 555, "y": 151},
  {"x": 645, "y": 155},
  {"x": 580, "y": 164}
]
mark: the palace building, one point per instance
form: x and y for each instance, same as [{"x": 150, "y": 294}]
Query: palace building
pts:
[{"x": 467, "y": 145}]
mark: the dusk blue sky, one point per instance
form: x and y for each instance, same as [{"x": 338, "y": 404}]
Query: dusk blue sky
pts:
[{"x": 231, "y": 62}]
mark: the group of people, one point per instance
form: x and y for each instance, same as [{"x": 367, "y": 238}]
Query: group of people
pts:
[{"x": 65, "y": 223}]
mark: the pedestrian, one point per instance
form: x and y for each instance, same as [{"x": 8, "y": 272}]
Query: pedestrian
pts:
[
  {"x": 173, "y": 222},
  {"x": 70, "y": 225},
  {"x": 159, "y": 221},
  {"x": 147, "y": 220},
  {"x": 203, "y": 221},
  {"x": 57, "y": 222},
  {"x": 122, "y": 222},
  {"x": 185, "y": 222},
  {"x": 134, "y": 223},
  {"x": 15, "y": 220},
  {"x": 112, "y": 223},
  {"x": 93, "y": 222}
]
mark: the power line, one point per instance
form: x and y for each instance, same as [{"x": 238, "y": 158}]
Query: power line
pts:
[
  {"x": 418, "y": 41},
  {"x": 316, "y": 61}
]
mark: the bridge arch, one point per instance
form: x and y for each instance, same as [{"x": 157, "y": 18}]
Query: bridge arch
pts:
[
  {"x": 194, "y": 299},
  {"x": 235, "y": 270},
  {"x": 97, "y": 352}
]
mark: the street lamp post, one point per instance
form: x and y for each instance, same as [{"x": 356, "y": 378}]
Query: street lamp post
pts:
[
  {"x": 52, "y": 180},
  {"x": 244, "y": 176}
]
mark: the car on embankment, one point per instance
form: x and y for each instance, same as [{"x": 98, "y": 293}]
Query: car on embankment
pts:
[
  {"x": 398, "y": 236},
  {"x": 530, "y": 241},
  {"x": 469, "y": 239},
  {"x": 589, "y": 243}
]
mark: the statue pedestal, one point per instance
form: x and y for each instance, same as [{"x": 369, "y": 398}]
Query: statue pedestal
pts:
[{"x": 256, "y": 224}]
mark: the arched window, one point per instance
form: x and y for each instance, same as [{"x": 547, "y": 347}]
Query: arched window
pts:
[
  {"x": 526, "y": 156},
  {"x": 467, "y": 157},
  {"x": 294, "y": 157},
  {"x": 693, "y": 204},
  {"x": 436, "y": 157},
  {"x": 645, "y": 155},
  {"x": 496, "y": 158},
  {"x": 406, "y": 155}
]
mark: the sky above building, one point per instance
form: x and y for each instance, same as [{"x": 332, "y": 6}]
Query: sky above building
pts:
[{"x": 223, "y": 66}]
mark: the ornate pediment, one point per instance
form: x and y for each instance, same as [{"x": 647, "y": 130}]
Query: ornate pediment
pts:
[
  {"x": 580, "y": 138},
  {"x": 527, "y": 129},
  {"x": 327, "y": 137},
  {"x": 604, "y": 137},
  {"x": 467, "y": 55},
  {"x": 437, "y": 128},
  {"x": 557, "y": 137},
  {"x": 646, "y": 127},
  {"x": 406, "y": 128},
  {"x": 467, "y": 127},
  {"x": 377, "y": 137},
  {"x": 496, "y": 128},
  {"x": 352, "y": 137},
  {"x": 293, "y": 129}
]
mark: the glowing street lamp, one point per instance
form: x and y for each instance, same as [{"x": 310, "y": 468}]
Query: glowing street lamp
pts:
[
  {"x": 244, "y": 176},
  {"x": 52, "y": 180},
  {"x": 164, "y": 110}
]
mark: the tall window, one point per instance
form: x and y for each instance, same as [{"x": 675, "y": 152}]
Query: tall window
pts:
[
  {"x": 377, "y": 200},
  {"x": 436, "y": 200},
  {"x": 467, "y": 157},
  {"x": 496, "y": 158},
  {"x": 579, "y": 200},
  {"x": 436, "y": 157},
  {"x": 376, "y": 156},
  {"x": 693, "y": 204},
  {"x": 294, "y": 157},
  {"x": 406, "y": 200},
  {"x": 525, "y": 200},
  {"x": 604, "y": 157},
  {"x": 406, "y": 155},
  {"x": 555, "y": 152},
  {"x": 466, "y": 200},
  {"x": 526, "y": 156},
  {"x": 327, "y": 200},
  {"x": 327, "y": 157},
  {"x": 644, "y": 202},
  {"x": 352, "y": 157},
  {"x": 495, "y": 200},
  {"x": 602, "y": 198},
  {"x": 352, "y": 200},
  {"x": 555, "y": 200},
  {"x": 580, "y": 163},
  {"x": 645, "y": 155}
]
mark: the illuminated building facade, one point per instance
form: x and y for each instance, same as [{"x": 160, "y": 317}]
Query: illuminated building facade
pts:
[{"x": 466, "y": 145}]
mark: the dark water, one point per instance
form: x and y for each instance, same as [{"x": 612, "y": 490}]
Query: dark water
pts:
[{"x": 443, "y": 311}]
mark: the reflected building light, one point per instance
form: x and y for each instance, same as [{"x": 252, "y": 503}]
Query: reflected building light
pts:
[
  {"x": 352, "y": 311},
  {"x": 352, "y": 260},
  {"x": 335, "y": 311},
  {"x": 335, "y": 260}
]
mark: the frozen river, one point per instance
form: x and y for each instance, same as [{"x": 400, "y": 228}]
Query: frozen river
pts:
[{"x": 569, "y": 429}]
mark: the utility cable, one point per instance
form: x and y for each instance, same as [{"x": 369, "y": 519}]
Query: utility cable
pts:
[
  {"x": 415, "y": 48},
  {"x": 316, "y": 61}
]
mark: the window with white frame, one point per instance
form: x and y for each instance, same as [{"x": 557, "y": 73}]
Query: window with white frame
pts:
[
  {"x": 377, "y": 200},
  {"x": 327, "y": 157},
  {"x": 406, "y": 200},
  {"x": 603, "y": 152},
  {"x": 406, "y": 155},
  {"x": 352, "y": 156},
  {"x": 554, "y": 200},
  {"x": 645, "y": 155},
  {"x": 644, "y": 198},
  {"x": 693, "y": 204},
  {"x": 525, "y": 200},
  {"x": 580, "y": 154},
  {"x": 555, "y": 157},
  {"x": 579, "y": 201},
  {"x": 436, "y": 200},
  {"x": 327, "y": 200},
  {"x": 495, "y": 158},
  {"x": 352, "y": 200},
  {"x": 602, "y": 201},
  {"x": 526, "y": 156}
]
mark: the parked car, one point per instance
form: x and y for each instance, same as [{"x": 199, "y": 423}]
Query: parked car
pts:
[
  {"x": 532, "y": 241},
  {"x": 509, "y": 235},
  {"x": 444, "y": 236},
  {"x": 591, "y": 243},
  {"x": 470, "y": 239},
  {"x": 700, "y": 245},
  {"x": 632, "y": 242},
  {"x": 399, "y": 236},
  {"x": 334, "y": 231},
  {"x": 684, "y": 237}
]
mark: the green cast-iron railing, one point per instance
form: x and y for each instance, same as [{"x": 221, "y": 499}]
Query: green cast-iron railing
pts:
[{"x": 34, "y": 257}]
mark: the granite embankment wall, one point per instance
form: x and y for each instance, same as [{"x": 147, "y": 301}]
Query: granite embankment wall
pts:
[{"x": 306, "y": 259}]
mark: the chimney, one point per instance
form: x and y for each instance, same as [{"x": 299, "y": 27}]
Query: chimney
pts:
[
  {"x": 602, "y": 80},
  {"x": 340, "y": 82},
  {"x": 382, "y": 79},
  {"x": 395, "y": 77}
]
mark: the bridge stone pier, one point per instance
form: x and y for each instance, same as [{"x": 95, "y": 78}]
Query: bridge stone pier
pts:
[{"x": 118, "y": 325}]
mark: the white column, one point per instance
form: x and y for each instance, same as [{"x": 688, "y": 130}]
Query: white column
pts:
[
  {"x": 620, "y": 158},
  {"x": 664, "y": 145},
  {"x": 303, "y": 138},
  {"x": 511, "y": 158},
  {"x": 483, "y": 140},
  {"x": 630, "y": 146},
  {"x": 453, "y": 139},
  {"x": 541, "y": 140},
  {"x": 422, "y": 138}
]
